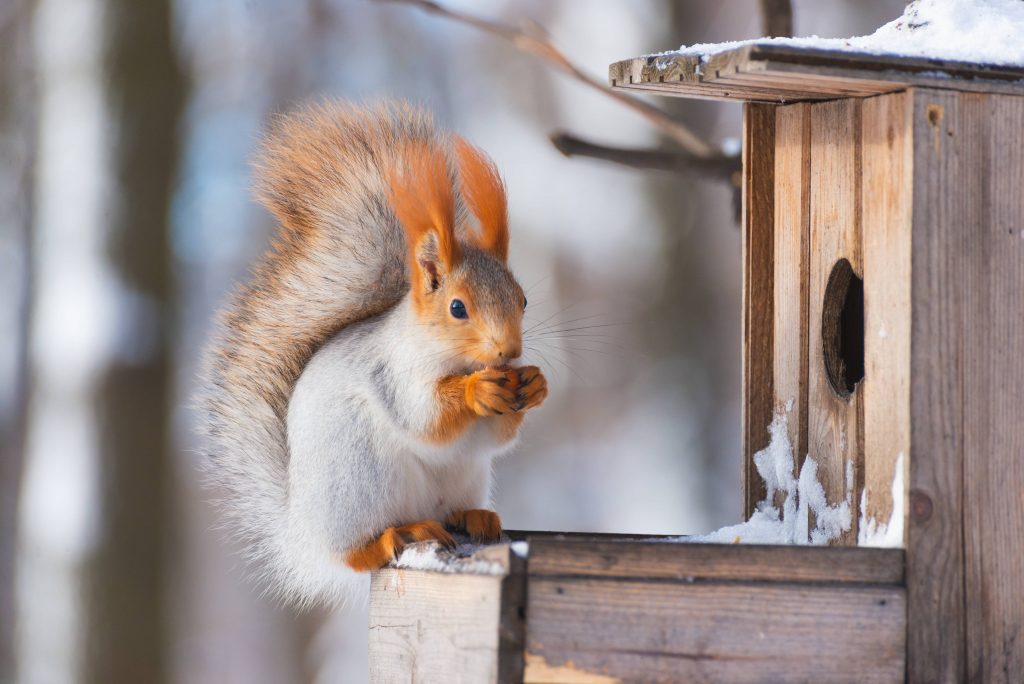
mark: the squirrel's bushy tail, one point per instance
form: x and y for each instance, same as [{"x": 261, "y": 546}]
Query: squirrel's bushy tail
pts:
[{"x": 338, "y": 257}]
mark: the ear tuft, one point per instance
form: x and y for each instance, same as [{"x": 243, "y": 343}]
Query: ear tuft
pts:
[
  {"x": 421, "y": 196},
  {"x": 485, "y": 194}
]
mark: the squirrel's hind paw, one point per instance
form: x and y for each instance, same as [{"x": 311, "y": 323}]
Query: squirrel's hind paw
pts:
[
  {"x": 480, "y": 524},
  {"x": 392, "y": 541}
]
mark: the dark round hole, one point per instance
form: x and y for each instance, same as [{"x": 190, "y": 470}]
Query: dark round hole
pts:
[{"x": 842, "y": 329}]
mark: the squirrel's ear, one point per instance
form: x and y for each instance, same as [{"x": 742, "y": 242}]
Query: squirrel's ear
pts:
[
  {"x": 484, "y": 192},
  {"x": 427, "y": 262},
  {"x": 421, "y": 196}
]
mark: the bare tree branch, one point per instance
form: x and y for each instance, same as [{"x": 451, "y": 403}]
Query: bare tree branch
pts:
[
  {"x": 532, "y": 38},
  {"x": 720, "y": 167},
  {"x": 777, "y": 18}
]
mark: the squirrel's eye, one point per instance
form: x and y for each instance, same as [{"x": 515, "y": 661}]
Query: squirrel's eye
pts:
[
  {"x": 525, "y": 301},
  {"x": 458, "y": 309}
]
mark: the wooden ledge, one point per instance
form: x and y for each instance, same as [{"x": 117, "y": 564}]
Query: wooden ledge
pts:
[
  {"x": 779, "y": 73},
  {"x": 608, "y": 608}
]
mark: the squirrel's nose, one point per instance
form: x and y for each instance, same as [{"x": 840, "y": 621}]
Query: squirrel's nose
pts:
[{"x": 510, "y": 351}]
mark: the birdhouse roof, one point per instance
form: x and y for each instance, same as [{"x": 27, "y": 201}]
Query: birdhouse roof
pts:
[
  {"x": 772, "y": 72},
  {"x": 950, "y": 44}
]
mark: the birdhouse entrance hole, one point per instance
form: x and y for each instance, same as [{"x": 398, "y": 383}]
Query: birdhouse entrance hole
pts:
[{"x": 842, "y": 329}]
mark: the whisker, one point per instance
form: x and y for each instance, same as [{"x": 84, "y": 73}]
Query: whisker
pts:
[
  {"x": 557, "y": 313},
  {"x": 574, "y": 320},
  {"x": 567, "y": 366},
  {"x": 585, "y": 349},
  {"x": 575, "y": 335}
]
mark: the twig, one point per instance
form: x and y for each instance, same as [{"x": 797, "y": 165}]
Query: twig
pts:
[
  {"x": 719, "y": 167},
  {"x": 777, "y": 18},
  {"x": 532, "y": 38}
]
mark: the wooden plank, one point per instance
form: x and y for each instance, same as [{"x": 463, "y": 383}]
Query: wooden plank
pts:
[
  {"x": 766, "y": 75},
  {"x": 792, "y": 234},
  {"x": 730, "y": 91},
  {"x": 758, "y": 212},
  {"x": 948, "y": 185},
  {"x": 635, "y": 631},
  {"x": 993, "y": 377},
  {"x": 887, "y": 192},
  {"x": 452, "y": 626},
  {"x": 434, "y": 627},
  {"x": 835, "y": 176},
  {"x": 787, "y": 74},
  {"x": 682, "y": 561}
]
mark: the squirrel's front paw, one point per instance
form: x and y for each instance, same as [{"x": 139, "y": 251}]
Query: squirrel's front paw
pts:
[
  {"x": 492, "y": 392},
  {"x": 532, "y": 389}
]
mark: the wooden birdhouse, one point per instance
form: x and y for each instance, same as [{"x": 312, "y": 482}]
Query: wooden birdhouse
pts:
[{"x": 883, "y": 268}]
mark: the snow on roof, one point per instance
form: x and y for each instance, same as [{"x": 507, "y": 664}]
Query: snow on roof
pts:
[{"x": 977, "y": 31}]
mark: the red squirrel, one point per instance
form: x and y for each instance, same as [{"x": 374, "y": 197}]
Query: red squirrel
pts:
[{"x": 362, "y": 381}]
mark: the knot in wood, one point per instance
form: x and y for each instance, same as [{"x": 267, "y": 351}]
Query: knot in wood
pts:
[{"x": 920, "y": 506}]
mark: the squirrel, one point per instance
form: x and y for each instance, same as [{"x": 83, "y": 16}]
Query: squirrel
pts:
[{"x": 359, "y": 386}]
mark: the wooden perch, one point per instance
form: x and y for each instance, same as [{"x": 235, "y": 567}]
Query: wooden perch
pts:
[{"x": 610, "y": 608}]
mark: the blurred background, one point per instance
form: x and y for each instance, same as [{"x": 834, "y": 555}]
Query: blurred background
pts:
[{"x": 126, "y": 130}]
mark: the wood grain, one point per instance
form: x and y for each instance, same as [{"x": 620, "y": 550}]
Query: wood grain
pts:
[
  {"x": 434, "y": 627},
  {"x": 993, "y": 386},
  {"x": 776, "y": 73},
  {"x": 887, "y": 195},
  {"x": 451, "y": 627},
  {"x": 948, "y": 185},
  {"x": 758, "y": 213},
  {"x": 689, "y": 562},
  {"x": 639, "y": 631},
  {"x": 792, "y": 236},
  {"x": 835, "y": 177}
]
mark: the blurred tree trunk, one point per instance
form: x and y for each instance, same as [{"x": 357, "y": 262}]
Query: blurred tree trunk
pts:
[
  {"x": 17, "y": 150},
  {"x": 125, "y": 582},
  {"x": 692, "y": 305}
]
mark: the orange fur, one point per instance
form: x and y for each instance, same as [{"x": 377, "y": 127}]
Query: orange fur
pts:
[
  {"x": 490, "y": 393},
  {"x": 454, "y": 414},
  {"x": 377, "y": 553},
  {"x": 421, "y": 195},
  {"x": 485, "y": 194},
  {"x": 508, "y": 426},
  {"x": 480, "y": 524},
  {"x": 532, "y": 388},
  {"x": 265, "y": 345}
]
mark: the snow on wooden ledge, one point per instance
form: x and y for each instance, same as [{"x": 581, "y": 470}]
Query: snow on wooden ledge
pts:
[{"x": 974, "y": 45}]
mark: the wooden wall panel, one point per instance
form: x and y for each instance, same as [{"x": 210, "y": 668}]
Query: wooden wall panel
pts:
[
  {"x": 833, "y": 422},
  {"x": 993, "y": 387},
  {"x": 949, "y": 157},
  {"x": 792, "y": 242},
  {"x": 758, "y": 212},
  {"x": 965, "y": 554},
  {"x": 644, "y": 559},
  {"x": 887, "y": 194},
  {"x": 613, "y": 630}
]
